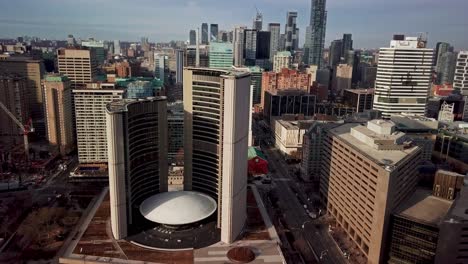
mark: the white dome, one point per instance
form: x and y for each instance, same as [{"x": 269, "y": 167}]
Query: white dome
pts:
[{"x": 178, "y": 208}]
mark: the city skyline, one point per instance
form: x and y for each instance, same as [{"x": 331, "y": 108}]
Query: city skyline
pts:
[{"x": 106, "y": 19}]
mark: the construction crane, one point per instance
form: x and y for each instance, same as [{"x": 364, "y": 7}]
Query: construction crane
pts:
[{"x": 27, "y": 128}]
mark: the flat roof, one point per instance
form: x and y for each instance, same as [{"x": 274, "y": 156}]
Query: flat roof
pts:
[
  {"x": 422, "y": 206},
  {"x": 380, "y": 156},
  {"x": 178, "y": 208}
]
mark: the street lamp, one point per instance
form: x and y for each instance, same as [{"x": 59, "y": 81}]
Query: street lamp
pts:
[{"x": 323, "y": 253}]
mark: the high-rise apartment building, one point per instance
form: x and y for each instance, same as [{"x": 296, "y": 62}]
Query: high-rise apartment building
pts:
[
  {"x": 335, "y": 52},
  {"x": 220, "y": 55},
  {"x": 204, "y": 34},
  {"x": 291, "y": 32},
  {"x": 179, "y": 66},
  {"x": 275, "y": 35},
  {"x": 367, "y": 171},
  {"x": 460, "y": 82},
  {"x": 315, "y": 34},
  {"x": 90, "y": 118},
  {"x": 216, "y": 108},
  {"x": 213, "y": 32},
  {"x": 13, "y": 95},
  {"x": 258, "y": 22},
  {"x": 137, "y": 168},
  {"x": 238, "y": 42},
  {"x": 404, "y": 75},
  {"x": 282, "y": 60},
  {"x": 33, "y": 71},
  {"x": 192, "y": 37},
  {"x": 59, "y": 113},
  {"x": 77, "y": 64}
]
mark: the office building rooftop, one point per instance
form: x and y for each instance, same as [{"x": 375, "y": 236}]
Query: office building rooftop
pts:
[
  {"x": 377, "y": 141},
  {"x": 422, "y": 206}
]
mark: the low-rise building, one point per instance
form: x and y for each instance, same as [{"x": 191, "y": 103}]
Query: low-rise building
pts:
[{"x": 289, "y": 136}]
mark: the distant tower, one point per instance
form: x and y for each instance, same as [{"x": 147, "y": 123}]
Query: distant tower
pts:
[
  {"x": 335, "y": 52},
  {"x": 315, "y": 34},
  {"x": 192, "y": 37},
  {"x": 238, "y": 41},
  {"x": 347, "y": 44},
  {"x": 291, "y": 32},
  {"x": 446, "y": 68},
  {"x": 204, "y": 37},
  {"x": 275, "y": 37},
  {"x": 117, "y": 50},
  {"x": 258, "y": 21},
  {"x": 179, "y": 66},
  {"x": 404, "y": 77},
  {"x": 213, "y": 32}
]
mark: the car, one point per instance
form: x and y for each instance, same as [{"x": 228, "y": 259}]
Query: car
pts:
[{"x": 313, "y": 215}]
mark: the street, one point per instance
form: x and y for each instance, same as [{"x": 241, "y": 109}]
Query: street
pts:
[{"x": 291, "y": 199}]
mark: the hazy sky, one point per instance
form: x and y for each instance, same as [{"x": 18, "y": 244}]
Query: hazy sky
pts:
[{"x": 372, "y": 22}]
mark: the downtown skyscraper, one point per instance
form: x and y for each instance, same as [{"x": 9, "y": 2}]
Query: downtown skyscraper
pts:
[
  {"x": 291, "y": 32},
  {"x": 315, "y": 34}
]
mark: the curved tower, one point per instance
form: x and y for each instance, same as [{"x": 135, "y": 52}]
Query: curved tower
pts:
[
  {"x": 137, "y": 149},
  {"x": 216, "y": 105}
]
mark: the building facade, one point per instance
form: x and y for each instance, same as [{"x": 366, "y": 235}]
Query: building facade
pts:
[
  {"x": 204, "y": 34},
  {"x": 220, "y": 55},
  {"x": 275, "y": 34},
  {"x": 77, "y": 64},
  {"x": 90, "y": 118},
  {"x": 192, "y": 37},
  {"x": 367, "y": 171},
  {"x": 213, "y": 32},
  {"x": 59, "y": 115},
  {"x": 291, "y": 32},
  {"x": 360, "y": 99},
  {"x": 215, "y": 135},
  {"x": 175, "y": 127},
  {"x": 33, "y": 71},
  {"x": 13, "y": 95},
  {"x": 282, "y": 60},
  {"x": 446, "y": 68},
  {"x": 404, "y": 76},
  {"x": 460, "y": 81},
  {"x": 179, "y": 66},
  {"x": 137, "y": 168},
  {"x": 238, "y": 42}
]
